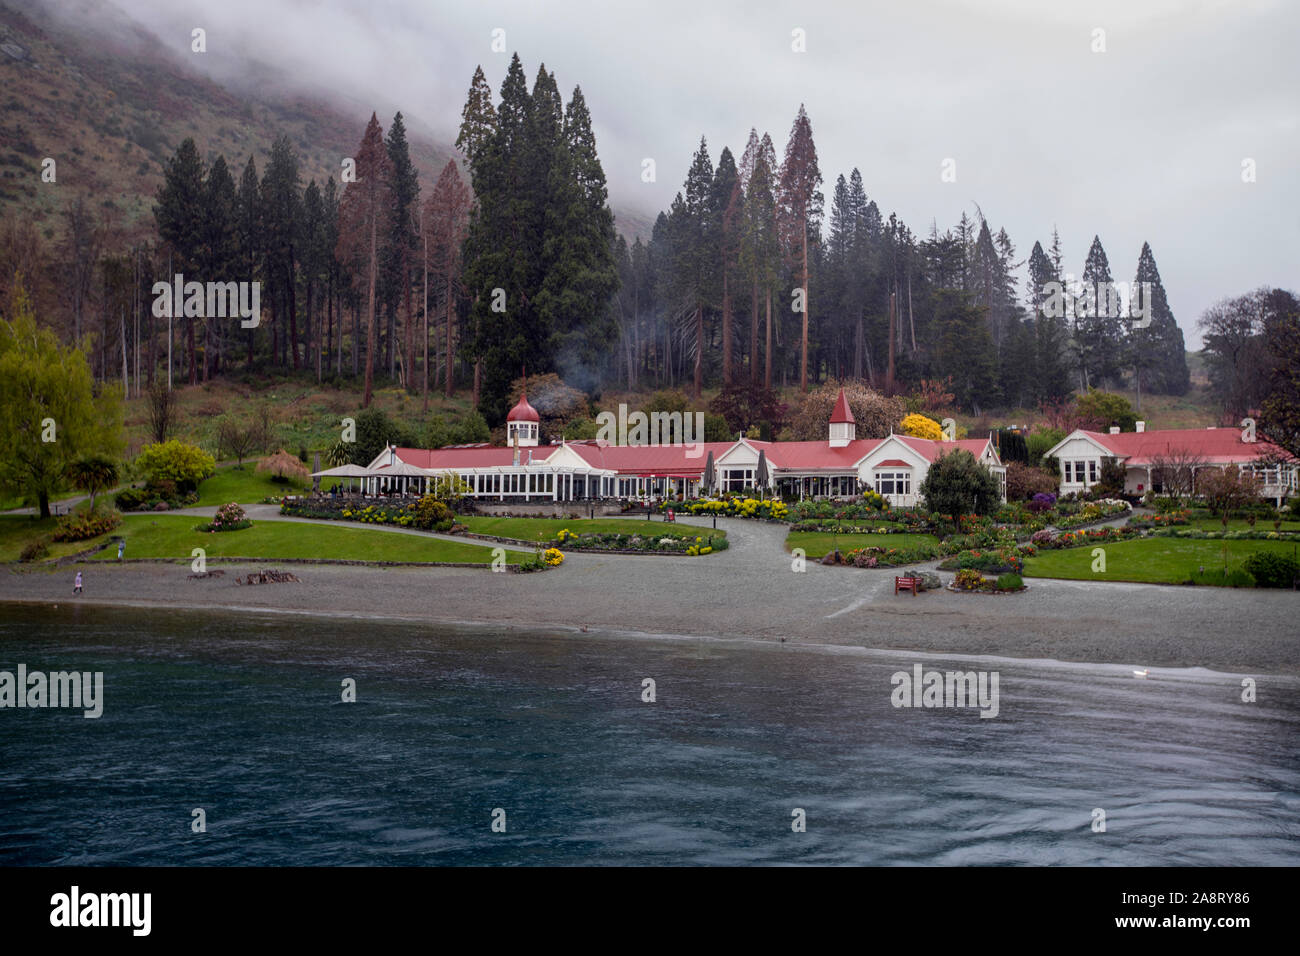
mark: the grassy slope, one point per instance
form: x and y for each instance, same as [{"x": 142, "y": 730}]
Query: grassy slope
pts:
[
  {"x": 1152, "y": 560},
  {"x": 545, "y": 529},
  {"x": 818, "y": 543},
  {"x": 173, "y": 536},
  {"x": 244, "y": 485}
]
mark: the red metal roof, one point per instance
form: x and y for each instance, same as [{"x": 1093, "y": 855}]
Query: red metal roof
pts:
[
  {"x": 842, "y": 412},
  {"x": 1218, "y": 446},
  {"x": 523, "y": 412},
  {"x": 894, "y": 463},
  {"x": 931, "y": 449}
]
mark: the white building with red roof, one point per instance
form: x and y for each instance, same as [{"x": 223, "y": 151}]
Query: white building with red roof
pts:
[
  {"x": 1144, "y": 454},
  {"x": 841, "y": 466}
]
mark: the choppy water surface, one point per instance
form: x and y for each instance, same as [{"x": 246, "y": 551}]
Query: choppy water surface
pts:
[{"x": 241, "y": 715}]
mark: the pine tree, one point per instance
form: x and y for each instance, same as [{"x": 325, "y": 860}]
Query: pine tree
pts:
[
  {"x": 1099, "y": 329},
  {"x": 727, "y": 202},
  {"x": 1051, "y": 333},
  {"x": 179, "y": 215},
  {"x": 401, "y": 249},
  {"x": 695, "y": 251},
  {"x": 1159, "y": 356},
  {"x": 248, "y": 233},
  {"x": 447, "y": 215},
  {"x": 799, "y": 211},
  {"x": 219, "y": 249},
  {"x": 363, "y": 219},
  {"x": 478, "y": 118},
  {"x": 281, "y": 216},
  {"x": 581, "y": 275}
]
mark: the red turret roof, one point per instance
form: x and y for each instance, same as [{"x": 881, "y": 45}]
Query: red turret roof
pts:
[
  {"x": 523, "y": 412},
  {"x": 842, "y": 413}
]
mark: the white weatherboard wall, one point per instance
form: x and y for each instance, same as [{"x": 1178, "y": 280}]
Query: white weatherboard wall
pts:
[
  {"x": 1079, "y": 449},
  {"x": 889, "y": 449}
]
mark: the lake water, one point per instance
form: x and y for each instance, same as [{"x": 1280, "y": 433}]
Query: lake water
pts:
[{"x": 241, "y": 715}]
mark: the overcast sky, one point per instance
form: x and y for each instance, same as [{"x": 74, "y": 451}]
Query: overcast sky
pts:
[{"x": 1144, "y": 141}]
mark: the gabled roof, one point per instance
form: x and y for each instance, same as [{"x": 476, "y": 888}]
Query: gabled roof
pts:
[
  {"x": 841, "y": 413},
  {"x": 1218, "y": 446},
  {"x": 930, "y": 449}
]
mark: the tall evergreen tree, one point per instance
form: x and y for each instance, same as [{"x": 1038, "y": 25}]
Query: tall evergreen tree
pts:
[
  {"x": 799, "y": 207},
  {"x": 281, "y": 215},
  {"x": 248, "y": 233},
  {"x": 401, "y": 249},
  {"x": 363, "y": 219},
  {"x": 727, "y": 201},
  {"x": 447, "y": 219},
  {"x": 696, "y": 257},
  {"x": 1099, "y": 328},
  {"x": 1159, "y": 355},
  {"x": 760, "y": 252}
]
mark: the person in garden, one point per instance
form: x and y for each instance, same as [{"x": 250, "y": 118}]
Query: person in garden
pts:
[{"x": 76, "y": 584}]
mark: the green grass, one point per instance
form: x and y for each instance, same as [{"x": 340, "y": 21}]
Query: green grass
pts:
[
  {"x": 1155, "y": 560},
  {"x": 173, "y": 536},
  {"x": 243, "y": 485},
  {"x": 17, "y": 530},
  {"x": 545, "y": 529},
  {"x": 1238, "y": 524},
  {"x": 818, "y": 543}
]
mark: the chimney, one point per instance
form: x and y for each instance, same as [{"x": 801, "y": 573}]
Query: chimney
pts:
[
  {"x": 1114, "y": 429},
  {"x": 1141, "y": 427}
]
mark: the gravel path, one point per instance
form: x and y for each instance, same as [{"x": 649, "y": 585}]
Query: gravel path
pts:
[{"x": 749, "y": 591}]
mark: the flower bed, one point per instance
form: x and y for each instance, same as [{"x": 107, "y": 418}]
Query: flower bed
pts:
[
  {"x": 1092, "y": 511},
  {"x": 999, "y": 560},
  {"x": 971, "y": 580},
  {"x": 873, "y": 557},
  {"x": 1165, "y": 520},
  {"x": 427, "y": 514},
  {"x": 229, "y": 517},
  {"x": 768, "y": 509},
  {"x": 613, "y": 541},
  {"x": 1077, "y": 539}
]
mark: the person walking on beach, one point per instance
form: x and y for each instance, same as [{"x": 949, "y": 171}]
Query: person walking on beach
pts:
[
  {"x": 121, "y": 546},
  {"x": 76, "y": 584}
]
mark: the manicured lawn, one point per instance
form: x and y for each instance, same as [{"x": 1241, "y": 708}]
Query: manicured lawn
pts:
[
  {"x": 17, "y": 530},
  {"x": 545, "y": 529},
  {"x": 1153, "y": 560},
  {"x": 243, "y": 485},
  {"x": 818, "y": 543},
  {"x": 173, "y": 536}
]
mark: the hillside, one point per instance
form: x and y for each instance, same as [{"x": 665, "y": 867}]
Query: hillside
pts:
[{"x": 112, "y": 111}]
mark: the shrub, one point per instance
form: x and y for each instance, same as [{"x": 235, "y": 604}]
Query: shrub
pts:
[
  {"x": 1272, "y": 570},
  {"x": 957, "y": 484},
  {"x": 1041, "y": 502},
  {"x": 875, "y": 414},
  {"x": 86, "y": 524},
  {"x": 34, "y": 550},
  {"x": 229, "y": 517},
  {"x": 130, "y": 499},
  {"x": 1025, "y": 482},
  {"x": 919, "y": 426},
  {"x": 1010, "y": 582},
  {"x": 1215, "y": 578},
  {"x": 284, "y": 467},
  {"x": 186, "y": 465},
  {"x": 969, "y": 579},
  {"x": 432, "y": 514}
]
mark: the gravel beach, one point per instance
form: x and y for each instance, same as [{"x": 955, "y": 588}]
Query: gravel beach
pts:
[{"x": 748, "y": 591}]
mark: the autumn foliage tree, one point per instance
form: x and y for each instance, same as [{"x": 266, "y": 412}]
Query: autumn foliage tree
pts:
[{"x": 363, "y": 212}]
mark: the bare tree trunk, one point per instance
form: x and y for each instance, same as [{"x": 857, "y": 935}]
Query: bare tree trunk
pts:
[
  {"x": 699, "y": 350},
  {"x": 767, "y": 355},
  {"x": 753, "y": 335},
  {"x": 726, "y": 328},
  {"x": 451, "y": 322},
  {"x": 370, "y": 317},
  {"x": 803, "y": 362}
]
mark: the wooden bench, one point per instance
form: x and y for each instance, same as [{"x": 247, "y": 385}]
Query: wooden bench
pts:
[{"x": 907, "y": 584}]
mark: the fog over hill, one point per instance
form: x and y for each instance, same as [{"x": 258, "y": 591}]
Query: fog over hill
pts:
[{"x": 1142, "y": 142}]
